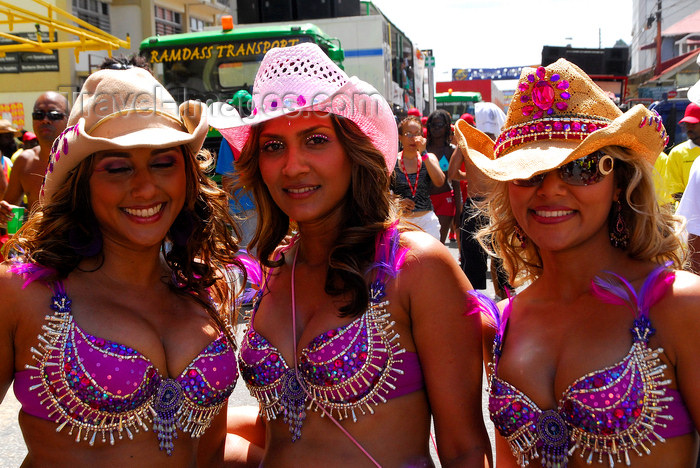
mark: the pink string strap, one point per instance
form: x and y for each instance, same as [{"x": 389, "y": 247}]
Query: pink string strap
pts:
[{"x": 296, "y": 370}]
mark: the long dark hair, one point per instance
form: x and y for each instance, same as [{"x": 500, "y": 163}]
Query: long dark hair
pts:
[
  {"x": 440, "y": 114},
  {"x": 60, "y": 234},
  {"x": 368, "y": 210}
]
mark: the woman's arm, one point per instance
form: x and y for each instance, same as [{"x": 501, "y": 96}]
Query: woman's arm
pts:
[
  {"x": 448, "y": 342},
  {"x": 8, "y": 326},
  {"x": 431, "y": 164},
  {"x": 678, "y": 326},
  {"x": 434, "y": 171},
  {"x": 3, "y": 181},
  {"x": 454, "y": 171},
  {"x": 233, "y": 439}
]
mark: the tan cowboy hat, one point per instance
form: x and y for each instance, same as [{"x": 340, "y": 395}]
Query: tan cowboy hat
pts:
[
  {"x": 557, "y": 115},
  {"x": 7, "y": 127},
  {"x": 121, "y": 110}
]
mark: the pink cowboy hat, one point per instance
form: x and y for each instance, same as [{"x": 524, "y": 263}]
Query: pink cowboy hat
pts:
[{"x": 303, "y": 78}]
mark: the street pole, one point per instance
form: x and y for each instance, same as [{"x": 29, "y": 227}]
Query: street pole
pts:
[
  {"x": 431, "y": 89},
  {"x": 657, "y": 69}
]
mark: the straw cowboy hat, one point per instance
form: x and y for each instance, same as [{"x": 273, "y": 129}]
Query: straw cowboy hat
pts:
[
  {"x": 558, "y": 115},
  {"x": 7, "y": 127},
  {"x": 303, "y": 78},
  {"x": 122, "y": 110}
]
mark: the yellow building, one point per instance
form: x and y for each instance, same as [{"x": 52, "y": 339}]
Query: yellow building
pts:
[{"x": 24, "y": 76}]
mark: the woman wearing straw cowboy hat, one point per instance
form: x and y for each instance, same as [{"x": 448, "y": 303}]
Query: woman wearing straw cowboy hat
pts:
[
  {"x": 595, "y": 361},
  {"x": 358, "y": 332},
  {"x": 134, "y": 359}
]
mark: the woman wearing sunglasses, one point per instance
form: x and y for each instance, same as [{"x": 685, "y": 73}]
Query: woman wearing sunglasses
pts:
[
  {"x": 595, "y": 361},
  {"x": 416, "y": 172}
]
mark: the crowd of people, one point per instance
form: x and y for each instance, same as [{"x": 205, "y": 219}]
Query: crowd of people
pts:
[{"x": 365, "y": 341}]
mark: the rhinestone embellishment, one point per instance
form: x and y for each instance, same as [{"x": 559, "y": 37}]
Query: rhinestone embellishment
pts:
[{"x": 545, "y": 95}]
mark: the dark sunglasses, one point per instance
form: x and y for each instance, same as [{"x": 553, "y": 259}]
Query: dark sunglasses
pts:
[
  {"x": 52, "y": 115},
  {"x": 437, "y": 125},
  {"x": 587, "y": 170}
]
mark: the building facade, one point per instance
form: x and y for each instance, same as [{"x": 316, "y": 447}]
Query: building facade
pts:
[{"x": 66, "y": 71}]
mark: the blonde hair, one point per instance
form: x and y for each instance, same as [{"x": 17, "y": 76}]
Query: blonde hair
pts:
[
  {"x": 198, "y": 267},
  {"x": 655, "y": 233}
]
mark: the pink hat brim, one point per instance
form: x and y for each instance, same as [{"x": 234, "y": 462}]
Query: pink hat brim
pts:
[{"x": 357, "y": 101}]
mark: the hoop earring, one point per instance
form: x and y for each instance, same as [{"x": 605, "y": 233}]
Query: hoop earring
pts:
[
  {"x": 619, "y": 234},
  {"x": 520, "y": 235}
]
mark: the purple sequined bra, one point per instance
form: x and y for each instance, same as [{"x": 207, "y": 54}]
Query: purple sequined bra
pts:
[
  {"x": 346, "y": 371},
  {"x": 104, "y": 391},
  {"x": 605, "y": 414}
]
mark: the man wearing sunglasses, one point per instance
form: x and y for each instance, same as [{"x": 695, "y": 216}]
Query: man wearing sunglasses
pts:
[{"x": 49, "y": 117}]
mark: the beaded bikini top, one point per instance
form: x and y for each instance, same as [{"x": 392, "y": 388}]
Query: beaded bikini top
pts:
[
  {"x": 104, "y": 390},
  {"x": 344, "y": 371},
  {"x": 604, "y": 414}
]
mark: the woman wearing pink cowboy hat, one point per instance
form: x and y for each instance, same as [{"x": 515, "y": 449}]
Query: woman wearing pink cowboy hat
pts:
[
  {"x": 596, "y": 360},
  {"x": 358, "y": 333},
  {"x": 116, "y": 312}
]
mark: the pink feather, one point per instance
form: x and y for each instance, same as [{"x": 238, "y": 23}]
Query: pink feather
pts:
[
  {"x": 616, "y": 290},
  {"x": 655, "y": 287},
  {"x": 31, "y": 272},
  {"x": 389, "y": 252},
  {"x": 254, "y": 273},
  {"x": 478, "y": 302}
]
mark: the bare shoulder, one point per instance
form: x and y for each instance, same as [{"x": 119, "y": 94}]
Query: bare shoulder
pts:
[
  {"x": 430, "y": 270},
  {"x": 18, "y": 298},
  {"x": 684, "y": 294},
  {"x": 27, "y": 156},
  {"x": 683, "y": 297},
  {"x": 676, "y": 317},
  {"x": 10, "y": 283},
  {"x": 424, "y": 251},
  {"x": 11, "y": 292}
]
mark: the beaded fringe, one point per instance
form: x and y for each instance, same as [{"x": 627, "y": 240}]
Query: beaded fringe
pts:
[
  {"x": 66, "y": 408},
  {"x": 614, "y": 447},
  {"x": 383, "y": 339},
  {"x": 617, "y": 447}
]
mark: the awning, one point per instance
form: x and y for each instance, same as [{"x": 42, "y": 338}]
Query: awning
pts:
[
  {"x": 674, "y": 65},
  {"x": 458, "y": 96}
]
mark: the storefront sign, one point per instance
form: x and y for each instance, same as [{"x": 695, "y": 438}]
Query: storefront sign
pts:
[{"x": 22, "y": 62}]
